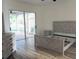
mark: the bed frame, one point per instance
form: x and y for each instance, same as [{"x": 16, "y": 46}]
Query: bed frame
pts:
[
  {"x": 63, "y": 37},
  {"x": 55, "y": 43}
]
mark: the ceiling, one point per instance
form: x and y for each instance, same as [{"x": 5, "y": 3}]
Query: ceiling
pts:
[{"x": 39, "y": 2}]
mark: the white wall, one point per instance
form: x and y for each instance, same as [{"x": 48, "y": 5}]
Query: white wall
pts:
[
  {"x": 62, "y": 10},
  {"x": 45, "y": 15}
]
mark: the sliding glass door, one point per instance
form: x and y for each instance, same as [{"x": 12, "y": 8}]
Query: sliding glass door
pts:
[{"x": 22, "y": 24}]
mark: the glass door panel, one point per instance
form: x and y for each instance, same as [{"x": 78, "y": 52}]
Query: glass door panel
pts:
[
  {"x": 30, "y": 24},
  {"x": 17, "y": 24}
]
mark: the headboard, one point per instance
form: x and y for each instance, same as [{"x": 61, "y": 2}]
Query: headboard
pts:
[{"x": 64, "y": 27}]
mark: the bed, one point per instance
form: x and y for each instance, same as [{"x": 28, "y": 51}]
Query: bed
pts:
[{"x": 62, "y": 38}]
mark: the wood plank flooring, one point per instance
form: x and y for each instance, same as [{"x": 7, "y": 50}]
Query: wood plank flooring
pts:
[{"x": 26, "y": 50}]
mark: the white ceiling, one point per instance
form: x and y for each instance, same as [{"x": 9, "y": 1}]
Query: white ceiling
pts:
[{"x": 39, "y": 2}]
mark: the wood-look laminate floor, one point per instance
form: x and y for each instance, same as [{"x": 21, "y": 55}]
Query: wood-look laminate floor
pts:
[{"x": 26, "y": 50}]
